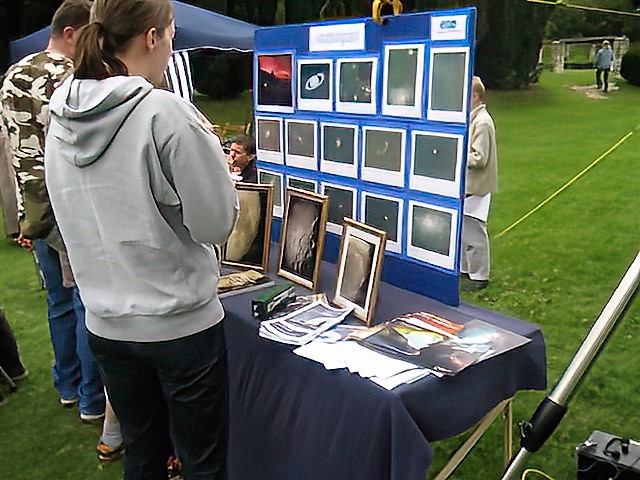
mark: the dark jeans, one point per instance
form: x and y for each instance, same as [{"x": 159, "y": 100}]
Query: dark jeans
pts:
[
  {"x": 74, "y": 370},
  {"x": 599, "y": 82},
  {"x": 169, "y": 390},
  {"x": 9, "y": 357}
]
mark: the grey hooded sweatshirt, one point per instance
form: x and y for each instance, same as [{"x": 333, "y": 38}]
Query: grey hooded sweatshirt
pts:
[{"x": 140, "y": 189}]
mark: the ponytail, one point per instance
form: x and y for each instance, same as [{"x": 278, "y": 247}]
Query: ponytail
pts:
[
  {"x": 94, "y": 59},
  {"x": 113, "y": 24}
]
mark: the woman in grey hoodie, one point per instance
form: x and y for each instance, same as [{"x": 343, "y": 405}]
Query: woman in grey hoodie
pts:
[{"x": 141, "y": 190}]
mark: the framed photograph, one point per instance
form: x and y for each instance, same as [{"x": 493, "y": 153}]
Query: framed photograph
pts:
[
  {"x": 269, "y": 140},
  {"x": 302, "y": 183},
  {"x": 248, "y": 244},
  {"x": 302, "y": 237},
  {"x": 356, "y": 84},
  {"x": 359, "y": 268},
  {"x": 432, "y": 234},
  {"x": 448, "y": 84},
  {"x": 436, "y": 162},
  {"x": 342, "y": 203},
  {"x": 274, "y": 82},
  {"x": 339, "y": 149},
  {"x": 403, "y": 80},
  {"x": 301, "y": 140},
  {"x": 315, "y": 85},
  {"x": 275, "y": 179},
  {"x": 384, "y": 213},
  {"x": 384, "y": 153}
]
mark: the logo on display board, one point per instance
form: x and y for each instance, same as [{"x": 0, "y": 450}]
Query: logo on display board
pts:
[{"x": 453, "y": 27}]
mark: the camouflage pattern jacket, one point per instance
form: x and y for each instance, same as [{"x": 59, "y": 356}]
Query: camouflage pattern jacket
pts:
[{"x": 25, "y": 95}]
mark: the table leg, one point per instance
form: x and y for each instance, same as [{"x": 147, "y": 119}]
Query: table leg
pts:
[
  {"x": 484, "y": 424},
  {"x": 507, "y": 419}
]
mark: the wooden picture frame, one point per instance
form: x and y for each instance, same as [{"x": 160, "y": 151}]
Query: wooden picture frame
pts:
[
  {"x": 302, "y": 236},
  {"x": 359, "y": 268},
  {"x": 250, "y": 240}
]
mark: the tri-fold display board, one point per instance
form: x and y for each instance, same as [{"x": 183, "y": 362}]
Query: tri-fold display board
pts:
[{"x": 376, "y": 117}]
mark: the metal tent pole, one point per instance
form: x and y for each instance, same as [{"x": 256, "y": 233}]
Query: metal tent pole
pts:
[{"x": 547, "y": 416}]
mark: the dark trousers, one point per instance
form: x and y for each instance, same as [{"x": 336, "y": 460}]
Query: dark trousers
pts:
[
  {"x": 9, "y": 357},
  {"x": 599, "y": 79},
  {"x": 166, "y": 394}
]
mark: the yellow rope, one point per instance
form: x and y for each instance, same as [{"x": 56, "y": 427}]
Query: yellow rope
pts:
[
  {"x": 533, "y": 470},
  {"x": 565, "y": 186},
  {"x": 561, "y": 3}
]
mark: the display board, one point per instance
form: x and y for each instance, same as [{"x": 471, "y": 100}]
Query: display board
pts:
[{"x": 376, "y": 117}]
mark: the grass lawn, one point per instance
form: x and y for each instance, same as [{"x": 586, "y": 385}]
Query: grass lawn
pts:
[{"x": 557, "y": 268}]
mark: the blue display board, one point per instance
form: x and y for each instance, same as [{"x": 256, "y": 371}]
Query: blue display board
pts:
[{"x": 376, "y": 117}]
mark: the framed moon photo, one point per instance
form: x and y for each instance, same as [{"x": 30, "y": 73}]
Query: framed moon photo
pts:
[
  {"x": 432, "y": 234},
  {"x": 448, "y": 84},
  {"x": 436, "y": 162},
  {"x": 359, "y": 268},
  {"x": 248, "y": 244},
  {"x": 274, "y": 87},
  {"x": 301, "y": 141},
  {"x": 302, "y": 237},
  {"x": 339, "y": 149},
  {"x": 356, "y": 85},
  {"x": 315, "y": 85},
  {"x": 403, "y": 80},
  {"x": 383, "y": 155},
  {"x": 269, "y": 139},
  {"x": 275, "y": 179}
]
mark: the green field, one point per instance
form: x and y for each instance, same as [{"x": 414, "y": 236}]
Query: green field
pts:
[{"x": 557, "y": 268}]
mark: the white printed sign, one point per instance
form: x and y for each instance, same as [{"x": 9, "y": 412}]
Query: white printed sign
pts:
[
  {"x": 336, "y": 37},
  {"x": 449, "y": 27}
]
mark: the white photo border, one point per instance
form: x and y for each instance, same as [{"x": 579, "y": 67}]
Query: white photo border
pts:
[
  {"x": 392, "y": 246},
  {"x": 277, "y": 209},
  {"x": 377, "y": 175},
  {"x": 302, "y": 179},
  {"x": 314, "y": 104},
  {"x": 413, "y": 111},
  {"x": 444, "y": 261},
  {"x": 449, "y": 115},
  {"x": 270, "y": 155},
  {"x": 301, "y": 161},
  {"x": 338, "y": 168},
  {"x": 334, "y": 227},
  {"x": 448, "y": 188},
  {"x": 355, "y": 107}
]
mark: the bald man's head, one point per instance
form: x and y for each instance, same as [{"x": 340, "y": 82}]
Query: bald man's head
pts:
[{"x": 478, "y": 92}]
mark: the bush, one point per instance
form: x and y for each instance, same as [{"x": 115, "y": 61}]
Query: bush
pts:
[
  {"x": 630, "y": 66},
  {"x": 222, "y": 75}
]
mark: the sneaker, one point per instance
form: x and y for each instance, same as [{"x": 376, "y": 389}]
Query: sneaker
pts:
[
  {"x": 474, "y": 285},
  {"x": 91, "y": 417},
  {"x": 108, "y": 454},
  {"x": 68, "y": 402}
]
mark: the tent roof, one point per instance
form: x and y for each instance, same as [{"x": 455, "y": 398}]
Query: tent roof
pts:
[{"x": 195, "y": 28}]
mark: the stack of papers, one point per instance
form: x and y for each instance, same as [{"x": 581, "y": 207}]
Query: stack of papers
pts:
[
  {"x": 303, "y": 325},
  {"x": 383, "y": 370}
]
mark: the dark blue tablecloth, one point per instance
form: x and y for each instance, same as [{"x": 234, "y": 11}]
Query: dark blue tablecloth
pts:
[{"x": 291, "y": 419}]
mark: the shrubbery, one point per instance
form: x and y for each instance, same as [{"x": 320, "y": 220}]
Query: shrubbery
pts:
[
  {"x": 630, "y": 66},
  {"x": 221, "y": 75}
]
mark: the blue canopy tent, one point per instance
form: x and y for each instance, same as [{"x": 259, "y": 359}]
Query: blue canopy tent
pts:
[{"x": 196, "y": 28}]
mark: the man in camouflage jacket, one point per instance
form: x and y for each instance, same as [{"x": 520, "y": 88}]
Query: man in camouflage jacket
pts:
[{"x": 25, "y": 95}]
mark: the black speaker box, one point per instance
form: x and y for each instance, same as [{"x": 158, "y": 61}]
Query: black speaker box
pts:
[{"x": 604, "y": 457}]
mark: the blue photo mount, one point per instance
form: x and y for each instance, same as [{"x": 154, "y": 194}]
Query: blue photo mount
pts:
[{"x": 403, "y": 87}]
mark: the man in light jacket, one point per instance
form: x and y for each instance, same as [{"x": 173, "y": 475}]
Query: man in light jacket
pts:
[
  {"x": 481, "y": 182},
  {"x": 603, "y": 62}
]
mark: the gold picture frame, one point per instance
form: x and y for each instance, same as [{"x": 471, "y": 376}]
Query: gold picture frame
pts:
[
  {"x": 359, "y": 268},
  {"x": 302, "y": 237},
  {"x": 250, "y": 240}
]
